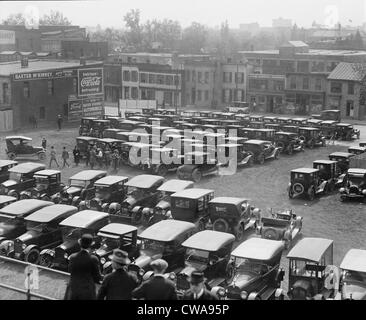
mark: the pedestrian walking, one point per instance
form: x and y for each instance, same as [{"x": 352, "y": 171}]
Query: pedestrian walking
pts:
[
  {"x": 100, "y": 157},
  {"x": 119, "y": 284},
  {"x": 115, "y": 159},
  {"x": 65, "y": 156},
  {"x": 44, "y": 143},
  {"x": 59, "y": 122},
  {"x": 84, "y": 272},
  {"x": 107, "y": 157},
  {"x": 76, "y": 153},
  {"x": 197, "y": 289},
  {"x": 93, "y": 158},
  {"x": 157, "y": 287},
  {"x": 53, "y": 157}
]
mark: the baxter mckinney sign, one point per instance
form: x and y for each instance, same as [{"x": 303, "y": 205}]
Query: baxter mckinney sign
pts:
[{"x": 90, "y": 82}]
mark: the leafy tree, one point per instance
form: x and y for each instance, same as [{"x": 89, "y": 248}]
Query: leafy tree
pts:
[
  {"x": 54, "y": 18},
  {"x": 134, "y": 33},
  {"x": 194, "y": 38},
  {"x": 167, "y": 32},
  {"x": 14, "y": 20}
]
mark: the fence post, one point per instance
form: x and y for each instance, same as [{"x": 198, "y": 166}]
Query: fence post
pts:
[{"x": 28, "y": 289}]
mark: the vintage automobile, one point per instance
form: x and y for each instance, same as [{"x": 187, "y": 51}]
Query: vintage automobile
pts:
[
  {"x": 98, "y": 126},
  {"x": 6, "y": 200},
  {"x": 111, "y": 133},
  {"x": 315, "y": 123},
  {"x": 21, "y": 177},
  {"x": 72, "y": 228},
  {"x": 256, "y": 125},
  {"x": 261, "y": 150},
  {"x": 162, "y": 209},
  {"x": 243, "y": 157},
  {"x": 248, "y": 133},
  {"x": 288, "y": 142},
  {"x": 42, "y": 232},
  {"x": 141, "y": 192},
  {"x": 108, "y": 143},
  {"x": 345, "y": 131},
  {"x": 19, "y": 147},
  {"x": 299, "y": 121},
  {"x": 243, "y": 119},
  {"x": 81, "y": 187},
  {"x": 308, "y": 261},
  {"x": 270, "y": 119},
  {"x": 328, "y": 129},
  {"x": 208, "y": 252},
  {"x": 86, "y": 125},
  {"x": 197, "y": 164},
  {"x": 163, "y": 240},
  {"x": 191, "y": 205},
  {"x": 12, "y": 223},
  {"x": 114, "y": 121},
  {"x": 356, "y": 150},
  {"x": 283, "y": 225},
  {"x": 290, "y": 128},
  {"x": 135, "y": 154},
  {"x": 116, "y": 236},
  {"x": 274, "y": 126},
  {"x": 355, "y": 185},
  {"x": 48, "y": 183},
  {"x": 305, "y": 182},
  {"x": 328, "y": 115},
  {"x": 343, "y": 160},
  {"x": 311, "y": 137},
  {"x": 84, "y": 143},
  {"x": 329, "y": 176},
  {"x": 352, "y": 284},
  {"x": 255, "y": 272},
  {"x": 233, "y": 215},
  {"x": 129, "y": 125},
  {"x": 162, "y": 168},
  {"x": 108, "y": 189},
  {"x": 283, "y": 121},
  {"x": 5, "y": 165},
  {"x": 264, "y": 134}
]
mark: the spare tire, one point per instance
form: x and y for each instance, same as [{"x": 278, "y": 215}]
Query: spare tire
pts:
[
  {"x": 220, "y": 225},
  {"x": 298, "y": 188},
  {"x": 270, "y": 233}
]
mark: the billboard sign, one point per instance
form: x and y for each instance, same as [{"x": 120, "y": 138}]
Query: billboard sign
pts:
[
  {"x": 85, "y": 107},
  {"x": 7, "y": 37},
  {"x": 44, "y": 75},
  {"x": 90, "y": 81}
]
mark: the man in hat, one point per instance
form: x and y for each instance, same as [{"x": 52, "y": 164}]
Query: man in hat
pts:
[
  {"x": 119, "y": 284},
  {"x": 157, "y": 287},
  {"x": 197, "y": 290},
  {"x": 84, "y": 272}
]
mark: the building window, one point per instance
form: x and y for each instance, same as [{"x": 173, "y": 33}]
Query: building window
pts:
[
  {"x": 176, "y": 80},
  {"x": 169, "y": 80},
  {"x": 349, "y": 108},
  {"x": 336, "y": 87},
  {"x": 126, "y": 75},
  {"x": 318, "y": 66},
  {"x": 193, "y": 75},
  {"x": 207, "y": 77},
  {"x": 42, "y": 113},
  {"x": 152, "y": 78},
  {"x": 351, "y": 88},
  {"x": 227, "y": 77},
  {"x": 5, "y": 93},
  {"x": 143, "y": 94},
  {"x": 239, "y": 76},
  {"x": 318, "y": 84},
  {"x": 151, "y": 94},
  {"x": 305, "y": 83},
  {"x": 199, "y": 95},
  {"x": 168, "y": 98},
  {"x": 278, "y": 85},
  {"x": 293, "y": 83},
  {"x": 143, "y": 77},
  {"x": 134, "y": 76},
  {"x": 331, "y": 66},
  {"x": 226, "y": 94},
  {"x": 199, "y": 76},
  {"x": 206, "y": 95},
  {"x": 134, "y": 93},
  {"x": 66, "y": 110},
  {"x": 127, "y": 92},
  {"x": 26, "y": 89},
  {"x": 50, "y": 87},
  {"x": 188, "y": 75},
  {"x": 303, "y": 66},
  {"x": 160, "y": 79}
]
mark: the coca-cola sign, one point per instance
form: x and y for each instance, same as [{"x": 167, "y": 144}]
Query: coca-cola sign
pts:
[{"x": 90, "y": 81}]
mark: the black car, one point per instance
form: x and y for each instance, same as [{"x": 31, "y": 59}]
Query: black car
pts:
[
  {"x": 21, "y": 177},
  {"x": 343, "y": 160},
  {"x": 311, "y": 137},
  {"x": 305, "y": 182},
  {"x": 261, "y": 150},
  {"x": 355, "y": 187},
  {"x": 288, "y": 142},
  {"x": 346, "y": 131},
  {"x": 5, "y": 165},
  {"x": 86, "y": 125}
]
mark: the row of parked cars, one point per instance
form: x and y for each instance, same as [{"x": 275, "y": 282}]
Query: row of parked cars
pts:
[{"x": 330, "y": 175}]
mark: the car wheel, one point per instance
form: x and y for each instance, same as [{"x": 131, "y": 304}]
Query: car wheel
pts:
[
  {"x": 41, "y": 156},
  {"x": 46, "y": 260},
  {"x": 290, "y": 150},
  {"x": 24, "y": 196},
  {"x": 14, "y": 194},
  {"x": 11, "y": 155},
  {"x": 311, "y": 194},
  {"x": 261, "y": 159},
  {"x": 220, "y": 225},
  {"x": 239, "y": 232},
  {"x": 162, "y": 171},
  {"x": 270, "y": 234},
  {"x": 196, "y": 175},
  {"x": 33, "y": 256},
  {"x": 281, "y": 145}
]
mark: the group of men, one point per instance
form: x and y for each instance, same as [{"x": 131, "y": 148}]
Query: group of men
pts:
[{"x": 122, "y": 284}]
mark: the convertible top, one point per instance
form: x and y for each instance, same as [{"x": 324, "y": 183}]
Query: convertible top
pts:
[
  {"x": 305, "y": 170},
  {"x": 4, "y": 163},
  {"x": 209, "y": 240},
  {"x": 116, "y": 229},
  {"x": 354, "y": 260},
  {"x": 49, "y": 213},
  {"x": 109, "y": 180},
  {"x": 310, "y": 249},
  {"x": 18, "y": 137},
  {"x": 258, "y": 249},
  {"x": 83, "y": 219},
  {"x": 28, "y": 167},
  {"x": 22, "y": 207},
  {"x": 144, "y": 181},
  {"x": 192, "y": 193},
  {"x": 88, "y": 174},
  {"x": 176, "y": 185},
  {"x": 228, "y": 200}
]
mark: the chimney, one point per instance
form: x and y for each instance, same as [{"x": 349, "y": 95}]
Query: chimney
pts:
[
  {"x": 82, "y": 61},
  {"x": 24, "y": 62}
]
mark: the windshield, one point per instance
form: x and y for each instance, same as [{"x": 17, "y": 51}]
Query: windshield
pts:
[
  {"x": 152, "y": 245},
  {"x": 354, "y": 276},
  {"x": 42, "y": 182},
  {"x": 7, "y": 219},
  {"x": 78, "y": 183},
  {"x": 71, "y": 233},
  {"x": 36, "y": 226},
  {"x": 15, "y": 176},
  {"x": 109, "y": 244},
  {"x": 198, "y": 256},
  {"x": 355, "y": 180},
  {"x": 135, "y": 192},
  {"x": 249, "y": 266}
]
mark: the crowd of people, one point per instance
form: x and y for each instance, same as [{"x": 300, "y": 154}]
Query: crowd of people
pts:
[{"x": 122, "y": 284}]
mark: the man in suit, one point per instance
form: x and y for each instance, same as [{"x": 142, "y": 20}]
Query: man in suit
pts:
[
  {"x": 84, "y": 272},
  {"x": 198, "y": 290},
  {"x": 157, "y": 287},
  {"x": 119, "y": 284}
]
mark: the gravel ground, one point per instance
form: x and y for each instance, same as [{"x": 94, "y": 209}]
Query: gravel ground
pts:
[{"x": 265, "y": 185}]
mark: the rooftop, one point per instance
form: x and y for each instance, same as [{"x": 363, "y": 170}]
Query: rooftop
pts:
[
  {"x": 311, "y": 249},
  {"x": 258, "y": 249},
  {"x": 49, "y": 213},
  {"x": 348, "y": 71},
  {"x": 209, "y": 240},
  {"x": 83, "y": 219},
  {"x": 354, "y": 260},
  {"x": 116, "y": 229},
  {"x": 25, "y": 206}
]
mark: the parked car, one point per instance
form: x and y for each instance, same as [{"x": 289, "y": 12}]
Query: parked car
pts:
[
  {"x": 283, "y": 121},
  {"x": 129, "y": 125},
  {"x": 21, "y": 177},
  {"x": 12, "y": 223},
  {"x": 19, "y": 147},
  {"x": 312, "y": 137},
  {"x": 270, "y": 119},
  {"x": 161, "y": 211},
  {"x": 47, "y": 183},
  {"x": 81, "y": 187},
  {"x": 108, "y": 189},
  {"x": 328, "y": 175},
  {"x": 98, "y": 126},
  {"x": 362, "y": 144},
  {"x": 255, "y": 272},
  {"x": 261, "y": 150},
  {"x": 86, "y": 125},
  {"x": 274, "y": 126},
  {"x": 43, "y": 232},
  {"x": 256, "y": 125},
  {"x": 346, "y": 131},
  {"x": 233, "y": 215},
  {"x": 290, "y": 128},
  {"x": 307, "y": 275},
  {"x": 227, "y": 150},
  {"x": 288, "y": 142},
  {"x": 356, "y": 150},
  {"x": 343, "y": 160},
  {"x": 141, "y": 192},
  {"x": 299, "y": 121},
  {"x": 5, "y": 165},
  {"x": 72, "y": 228},
  {"x": 191, "y": 205},
  {"x": 163, "y": 240},
  {"x": 208, "y": 252},
  {"x": 84, "y": 143},
  {"x": 283, "y": 225},
  {"x": 264, "y": 134},
  {"x": 352, "y": 284},
  {"x": 355, "y": 185},
  {"x": 328, "y": 129},
  {"x": 113, "y": 236},
  {"x": 305, "y": 182},
  {"x": 315, "y": 123},
  {"x": 114, "y": 121},
  {"x": 162, "y": 167},
  {"x": 111, "y": 133},
  {"x": 6, "y": 200}
]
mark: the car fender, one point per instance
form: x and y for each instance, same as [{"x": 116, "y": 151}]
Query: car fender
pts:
[
  {"x": 49, "y": 252},
  {"x": 105, "y": 207},
  {"x": 114, "y": 207},
  {"x": 13, "y": 193},
  {"x": 137, "y": 208},
  {"x": 254, "y": 296},
  {"x": 279, "y": 294},
  {"x": 322, "y": 187},
  {"x": 25, "y": 193},
  {"x": 30, "y": 247},
  {"x": 75, "y": 200},
  {"x": 6, "y": 246}
]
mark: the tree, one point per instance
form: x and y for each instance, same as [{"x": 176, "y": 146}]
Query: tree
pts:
[
  {"x": 194, "y": 38},
  {"x": 54, "y": 18},
  {"x": 357, "y": 41},
  {"x": 167, "y": 32},
  {"x": 134, "y": 33},
  {"x": 14, "y": 20}
]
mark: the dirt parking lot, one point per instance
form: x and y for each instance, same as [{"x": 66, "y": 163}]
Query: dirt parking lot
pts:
[{"x": 265, "y": 186}]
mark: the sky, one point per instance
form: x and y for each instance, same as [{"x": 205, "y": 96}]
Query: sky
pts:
[{"x": 109, "y": 13}]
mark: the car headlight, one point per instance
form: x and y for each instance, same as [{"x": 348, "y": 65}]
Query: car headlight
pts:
[
  {"x": 65, "y": 255},
  {"x": 221, "y": 292},
  {"x": 24, "y": 246},
  {"x": 243, "y": 295},
  {"x": 102, "y": 260},
  {"x": 342, "y": 190},
  {"x": 141, "y": 272},
  {"x": 172, "y": 276}
]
